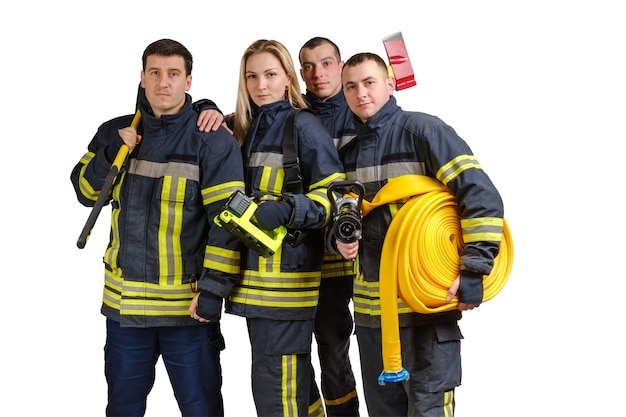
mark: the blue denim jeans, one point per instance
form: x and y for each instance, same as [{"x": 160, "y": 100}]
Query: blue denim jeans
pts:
[{"x": 191, "y": 355}]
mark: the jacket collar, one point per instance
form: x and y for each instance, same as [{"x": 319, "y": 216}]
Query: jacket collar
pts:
[
  {"x": 149, "y": 121},
  {"x": 380, "y": 119},
  {"x": 316, "y": 103}
]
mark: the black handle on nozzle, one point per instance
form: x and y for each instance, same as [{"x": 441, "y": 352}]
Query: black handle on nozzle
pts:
[{"x": 344, "y": 187}]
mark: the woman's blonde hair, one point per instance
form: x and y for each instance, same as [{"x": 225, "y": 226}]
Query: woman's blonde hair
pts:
[{"x": 243, "y": 108}]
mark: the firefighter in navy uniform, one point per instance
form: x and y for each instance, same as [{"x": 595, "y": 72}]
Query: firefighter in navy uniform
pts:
[
  {"x": 166, "y": 260},
  {"x": 278, "y": 294},
  {"x": 391, "y": 143},
  {"x": 321, "y": 63}
]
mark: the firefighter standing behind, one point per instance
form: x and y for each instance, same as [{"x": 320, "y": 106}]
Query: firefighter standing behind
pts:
[
  {"x": 278, "y": 294},
  {"x": 164, "y": 246},
  {"x": 321, "y": 64}
]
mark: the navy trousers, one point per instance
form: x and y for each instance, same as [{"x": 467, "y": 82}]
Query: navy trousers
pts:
[{"x": 431, "y": 354}]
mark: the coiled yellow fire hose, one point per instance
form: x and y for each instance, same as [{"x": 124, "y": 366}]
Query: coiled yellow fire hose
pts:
[{"x": 421, "y": 259}]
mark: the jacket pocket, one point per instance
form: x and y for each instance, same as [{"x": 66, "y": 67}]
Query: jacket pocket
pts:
[
  {"x": 446, "y": 361},
  {"x": 177, "y": 189}
]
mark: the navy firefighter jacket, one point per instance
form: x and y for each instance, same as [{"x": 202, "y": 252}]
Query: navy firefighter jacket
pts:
[
  {"x": 163, "y": 240},
  {"x": 285, "y": 286},
  {"x": 394, "y": 143},
  {"x": 335, "y": 114}
]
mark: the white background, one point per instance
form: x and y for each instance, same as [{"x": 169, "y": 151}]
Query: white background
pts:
[{"x": 537, "y": 88}]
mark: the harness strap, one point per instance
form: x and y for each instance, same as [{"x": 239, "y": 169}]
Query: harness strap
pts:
[{"x": 291, "y": 162}]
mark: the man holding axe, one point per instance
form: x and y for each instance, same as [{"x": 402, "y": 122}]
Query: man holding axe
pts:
[{"x": 168, "y": 266}]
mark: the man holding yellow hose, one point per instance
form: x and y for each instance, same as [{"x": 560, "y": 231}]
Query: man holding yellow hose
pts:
[{"x": 393, "y": 143}]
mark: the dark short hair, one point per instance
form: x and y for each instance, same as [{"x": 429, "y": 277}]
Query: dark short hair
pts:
[
  {"x": 361, "y": 57},
  {"x": 168, "y": 47},
  {"x": 317, "y": 41}
]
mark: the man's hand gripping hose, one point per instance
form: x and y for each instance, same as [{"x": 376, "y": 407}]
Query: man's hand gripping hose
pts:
[{"x": 421, "y": 257}]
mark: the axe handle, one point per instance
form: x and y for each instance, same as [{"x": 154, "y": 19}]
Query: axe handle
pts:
[{"x": 106, "y": 188}]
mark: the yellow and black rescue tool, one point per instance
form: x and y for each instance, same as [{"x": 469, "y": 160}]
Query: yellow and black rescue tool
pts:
[
  {"x": 236, "y": 218},
  {"x": 106, "y": 187}
]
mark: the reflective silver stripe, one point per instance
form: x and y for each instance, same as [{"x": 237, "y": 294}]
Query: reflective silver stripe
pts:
[
  {"x": 384, "y": 172},
  {"x": 343, "y": 141},
  {"x": 302, "y": 280},
  {"x": 161, "y": 169},
  {"x": 270, "y": 299},
  {"x": 273, "y": 175},
  {"x": 135, "y": 307},
  {"x": 263, "y": 159}
]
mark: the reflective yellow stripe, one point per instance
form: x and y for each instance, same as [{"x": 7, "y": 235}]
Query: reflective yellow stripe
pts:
[
  {"x": 85, "y": 188},
  {"x": 284, "y": 280},
  {"x": 316, "y": 409},
  {"x": 272, "y": 180},
  {"x": 289, "y": 385},
  {"x": 448, "y": 404},
  {"x": 455, "y": 167},
  {"x": 112, "y": 252},
  {"x": 325, "y": 182},
  {"x": 341, "y": 400},
  {"x": 336, "y": 266},
  {"x": 366, "y": 299},
  {"x": 220, "y": 259},
  {"x": 149, "y": 299},
  {"x": 290, "y": 290},
  {"x": 320, "y": 196},
  {"x": 221, "y": 191},
  {"x": 482, "y": 229},
  {"x": 275, "y": 299}
]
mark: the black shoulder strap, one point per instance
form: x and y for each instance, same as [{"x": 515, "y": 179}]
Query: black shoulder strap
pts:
[{"x": 291, "y": 163}]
